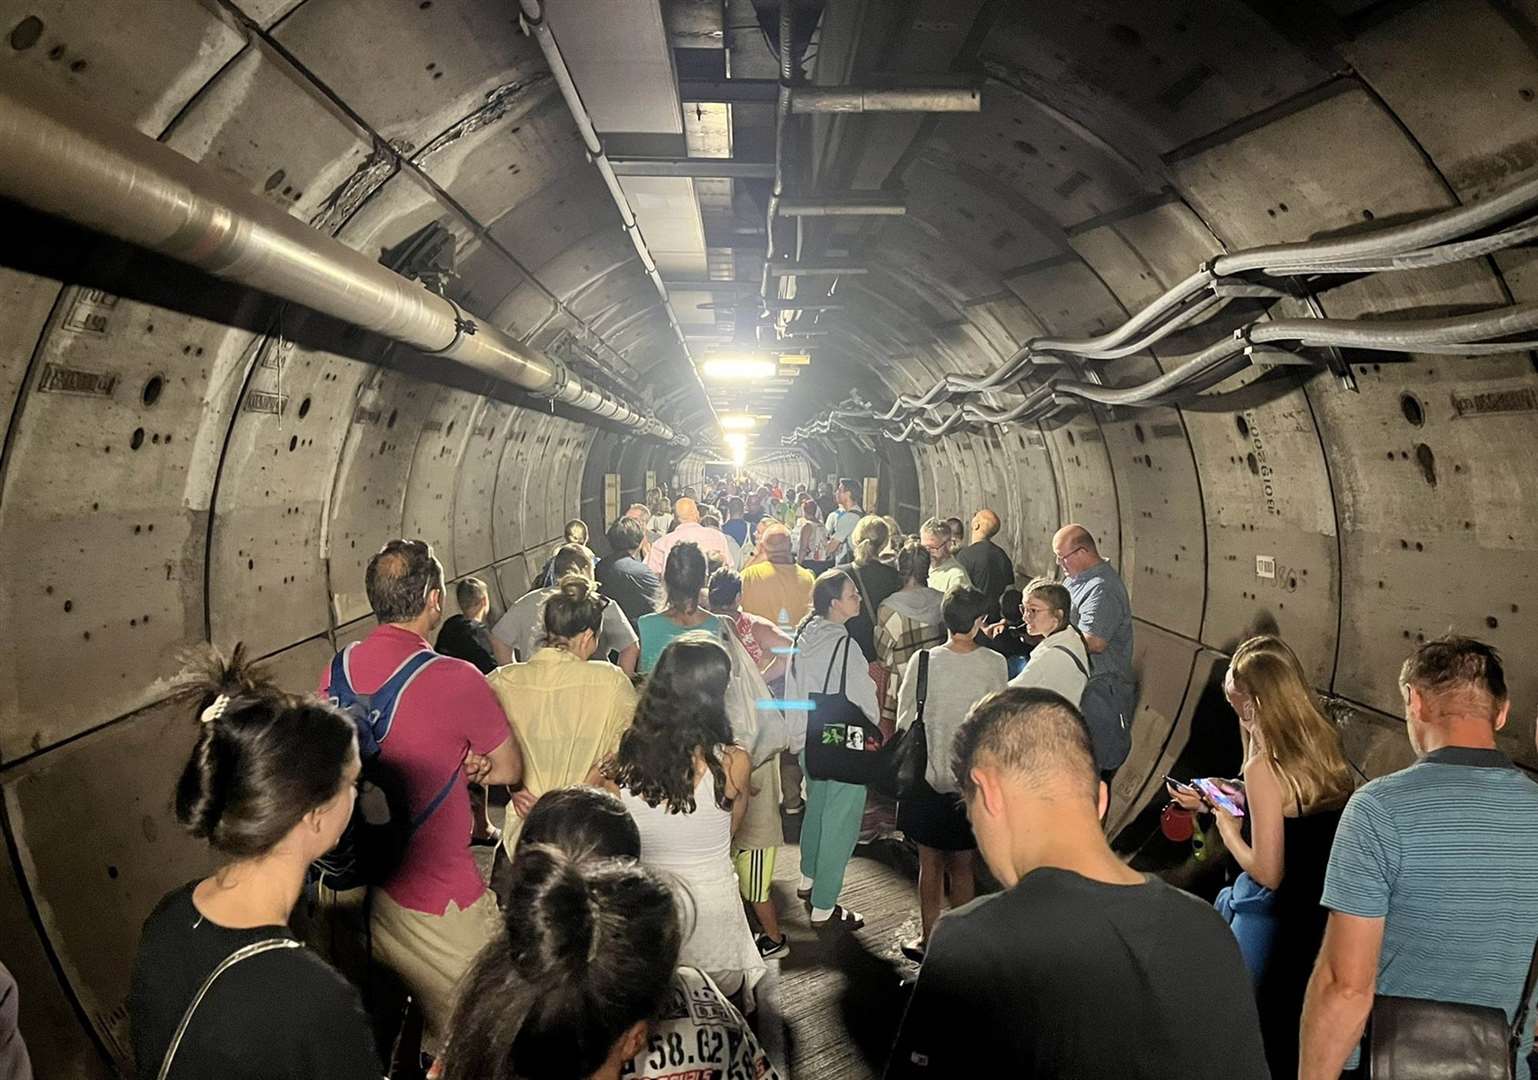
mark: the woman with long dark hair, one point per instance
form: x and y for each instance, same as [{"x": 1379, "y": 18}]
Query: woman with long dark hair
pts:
[
  {"x": 570, "y": 989},
  {"x": 686, "y": 784},
  {"x": 270, "y": 786},
  {"x": 825, "y": 653},
  {"x": 683, "y": 580}
]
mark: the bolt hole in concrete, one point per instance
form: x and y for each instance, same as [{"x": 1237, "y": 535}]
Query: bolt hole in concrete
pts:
[
  {"x": 69, "y": 605},
  {"x": 77, "y": 67},
  {"x": 293, "y": 441},
  {"x": 136, "y": 440},
  {"x": 1428, "y": 463},
  {"x": 1249, "y": 459},
  {"x": 152, "y": 389},
  {"x": 1243, "y": 425},
  {"x": 390, "y": 423},
  {"x": 1137, "y": 429},
  {"x": 26, "y": 33},
  {"x": 1413, "y": 411},
  {"x": 1492, "y": 622},
  {"x": 112, "y": 872},
  {"x": 274, "y": 180}
]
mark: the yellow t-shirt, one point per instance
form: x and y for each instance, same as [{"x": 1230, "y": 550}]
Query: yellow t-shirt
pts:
[
  {"x": 769, "y": 588},
  {"x": 567, "y": 715}
]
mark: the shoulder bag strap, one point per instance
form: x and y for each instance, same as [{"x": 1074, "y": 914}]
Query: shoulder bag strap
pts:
[
  {"x": 1071, "y": 655},
  {"x": 1519, "y": 1026},
  {"x": 843, "y": 675},
  {"x": 922, "y": 689},
  {"x": 243, "y": 953},
  {"x": 827, "y": 676}
]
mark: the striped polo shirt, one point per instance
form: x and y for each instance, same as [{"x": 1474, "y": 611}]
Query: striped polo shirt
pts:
[{"x": 1446, "y": 853}]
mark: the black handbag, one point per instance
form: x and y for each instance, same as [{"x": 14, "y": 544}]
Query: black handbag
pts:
[
  {"x": 1420, "y": 1039},
  {"x": 841, "y": 742},
  {"x": 912, "y": 753}
]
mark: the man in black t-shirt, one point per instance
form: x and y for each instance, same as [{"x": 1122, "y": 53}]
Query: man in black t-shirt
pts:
[
  {"x": 465, "y": 635},
  {"x": 1081, "y": 967},
  {"x": 987, "y": 564},
  {"x": 623, "y": 577}
]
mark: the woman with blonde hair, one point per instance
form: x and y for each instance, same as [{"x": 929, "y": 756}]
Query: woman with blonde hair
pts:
[{"x": 1296, "y": 782}]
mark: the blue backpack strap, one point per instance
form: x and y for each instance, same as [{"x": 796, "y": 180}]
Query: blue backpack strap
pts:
[
  {"x": 339, "y": 689},
  {"x": 382, "y": 702},
  {"x": 437, "y": 800}
]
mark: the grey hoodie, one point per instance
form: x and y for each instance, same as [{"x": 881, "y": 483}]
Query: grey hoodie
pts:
[
  {"x": 815, "y": 649},
  {"x": 921, "y": 605}
]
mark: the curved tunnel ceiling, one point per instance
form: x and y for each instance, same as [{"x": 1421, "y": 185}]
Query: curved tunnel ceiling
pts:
[{"x": 221, "y": 470}]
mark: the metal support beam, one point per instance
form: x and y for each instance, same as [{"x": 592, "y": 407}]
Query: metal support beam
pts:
[
  {"x": 815, "y": 269},
  {"x": 801, "y": 305},
  {"x": 723, "y": 168},
  {"x": 857, "y": 99},
  {"x": 729, "y": 91},
  {"x": 873, "y": 203},
  {"x": 72, "y": 162},
  {"x": 713, "y": 286}
]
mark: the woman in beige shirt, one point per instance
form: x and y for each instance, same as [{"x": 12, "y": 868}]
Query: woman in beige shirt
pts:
[{"x": 566, "y": 709}]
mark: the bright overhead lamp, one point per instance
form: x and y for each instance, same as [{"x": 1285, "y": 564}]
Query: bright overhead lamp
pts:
[
  {"x": 739, "y": 368},
  {"x": 735, "y": 438},
  {"x": 738, "y": 422}
]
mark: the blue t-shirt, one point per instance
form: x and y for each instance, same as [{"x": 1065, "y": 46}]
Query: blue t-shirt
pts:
[
  {"x": 1446, "y": 853},
  {"x": 657, "y": 631},
  {"x": 1101, "y": 607}
]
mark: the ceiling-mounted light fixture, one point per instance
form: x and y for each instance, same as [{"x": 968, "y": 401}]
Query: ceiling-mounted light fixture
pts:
[
  {"x": 738, "y": 422},
  {"x": 739, "y": 367}
]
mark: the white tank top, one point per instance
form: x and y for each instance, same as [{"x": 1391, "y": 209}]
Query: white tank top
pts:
[{"x": 683, "y": 841}]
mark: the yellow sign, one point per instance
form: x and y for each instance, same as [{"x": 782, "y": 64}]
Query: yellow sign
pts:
[
  {"x": 789, "y": 372},
  {"x": 795, "y": 359}
]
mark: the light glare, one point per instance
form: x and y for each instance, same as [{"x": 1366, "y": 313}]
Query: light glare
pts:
[{"x": 739, "y": 367}]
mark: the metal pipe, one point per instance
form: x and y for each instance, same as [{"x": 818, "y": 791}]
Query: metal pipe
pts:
[
  {"x": 864, "y": 99},
  {"x": 709, "y": 168},
  {"x": 67, "y": 161},
  {"x": 534, "y": 19},
  {"x": 874, "y": 204}
]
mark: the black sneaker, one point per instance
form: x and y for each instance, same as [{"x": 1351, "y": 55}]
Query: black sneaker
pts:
[
  {"x": 914, "y": 950},
  {"x": 771, "y": 949}
]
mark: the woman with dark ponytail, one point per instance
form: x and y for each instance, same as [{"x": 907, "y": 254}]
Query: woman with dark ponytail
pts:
[
  {"x": 569, "y": 991},
  {"x": 220, "y": 985}
]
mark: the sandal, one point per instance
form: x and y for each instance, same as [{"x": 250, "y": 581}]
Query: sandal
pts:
[
  {"x": 841, "y": 919},
  {"x": 491, "y": 839}
]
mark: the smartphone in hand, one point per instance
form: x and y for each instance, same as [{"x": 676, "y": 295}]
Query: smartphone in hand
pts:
[{"x": 1215, "y": 796}]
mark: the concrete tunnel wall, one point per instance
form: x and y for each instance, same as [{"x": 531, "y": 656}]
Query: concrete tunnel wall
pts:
[{"x": 168, "y": 479}]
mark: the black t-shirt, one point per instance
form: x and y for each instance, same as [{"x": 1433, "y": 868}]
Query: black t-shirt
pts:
[
  {"x": 1062, "y": 977},
  {"x": 631, "y": 584},
  {"x": 280, "y": 1015},
  {"x": 467, "y": 639},
  {"x": 990, "y": 569}
]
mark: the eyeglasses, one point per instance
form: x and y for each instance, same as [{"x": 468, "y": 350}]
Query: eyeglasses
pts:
[{"x": 1062, "y": 560}]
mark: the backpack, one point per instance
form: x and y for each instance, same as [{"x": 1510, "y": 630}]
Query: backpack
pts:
[
  {"x": 1110, "y": 733},
  {"x": 373, "y": 845}
]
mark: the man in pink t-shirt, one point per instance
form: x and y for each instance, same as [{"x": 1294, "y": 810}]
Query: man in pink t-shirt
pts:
[
  {"x": 687, "y": 512},
  {"x": 435, "y": 913}
]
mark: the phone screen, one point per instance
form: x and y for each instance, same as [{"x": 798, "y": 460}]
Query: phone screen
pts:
[{"x": 1217, "y": 796}]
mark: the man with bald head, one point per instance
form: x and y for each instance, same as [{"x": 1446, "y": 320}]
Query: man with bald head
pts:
[
  {"x": 1101, "y": 610},
  {"x": 687, "y": 513},
  {"x": 988, "y": 565}
]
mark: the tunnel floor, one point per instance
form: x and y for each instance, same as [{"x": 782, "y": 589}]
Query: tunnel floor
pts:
[{"x": 829, "y": 1010}]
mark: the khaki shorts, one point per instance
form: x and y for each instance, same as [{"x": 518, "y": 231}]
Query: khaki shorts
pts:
[{"x": 431, "y": 953}]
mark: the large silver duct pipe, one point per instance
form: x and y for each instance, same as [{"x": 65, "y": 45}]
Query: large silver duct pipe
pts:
[{"x": 66, "y": 161}]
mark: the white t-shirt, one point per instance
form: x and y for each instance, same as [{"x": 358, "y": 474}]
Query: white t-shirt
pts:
[{"x": 522, "y": 627}]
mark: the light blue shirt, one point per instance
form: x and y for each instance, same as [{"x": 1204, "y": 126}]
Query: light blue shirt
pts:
[
  {"x": 1101, "y": 607},
  {"x": 1445, "y": 852}
]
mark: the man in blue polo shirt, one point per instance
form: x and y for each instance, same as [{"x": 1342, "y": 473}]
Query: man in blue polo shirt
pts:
[
  {"x": 1433, "y": 880},
  {"x": 1101, "y": 610}
]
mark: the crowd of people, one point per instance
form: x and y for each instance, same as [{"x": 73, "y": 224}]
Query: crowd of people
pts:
[{"x": 629, "y": 917}]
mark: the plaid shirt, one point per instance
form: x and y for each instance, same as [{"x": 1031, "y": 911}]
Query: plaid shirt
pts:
[{"x": 898, "y": 639}]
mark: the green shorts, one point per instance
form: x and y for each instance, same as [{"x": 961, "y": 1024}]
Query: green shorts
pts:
[{"x": 755, "y": 873}]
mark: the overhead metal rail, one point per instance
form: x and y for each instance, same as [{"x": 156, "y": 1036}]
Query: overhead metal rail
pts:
[
  {"x": 63, "y": 159},
  {"x": 856, "y": 99},
  {"x": 533, "y": 12},
  {"x": 704, "y": 168},
  {"x": 813, "y": 268},
  {"x": 845, "y": 204}
]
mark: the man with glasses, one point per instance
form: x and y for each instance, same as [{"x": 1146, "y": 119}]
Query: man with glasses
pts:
[
  {"x": 1101, "y": 611},
  {"x": 434, "y": 913},
  {"x": 521, "y": 629},
  {"x": 945, "y": 573}
]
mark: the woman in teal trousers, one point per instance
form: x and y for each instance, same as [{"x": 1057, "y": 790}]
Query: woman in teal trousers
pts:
[{"x": 833, "y": 809}]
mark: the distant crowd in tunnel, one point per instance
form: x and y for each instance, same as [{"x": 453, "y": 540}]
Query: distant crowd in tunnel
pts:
[{"x": 752, "y": 652}]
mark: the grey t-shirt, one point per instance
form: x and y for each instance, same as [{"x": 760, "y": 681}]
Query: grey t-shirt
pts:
[
  {"x": 523, "y": 627},
  {"x": 1101, "y": 607},
  {"x": 957, "y": 681}
]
